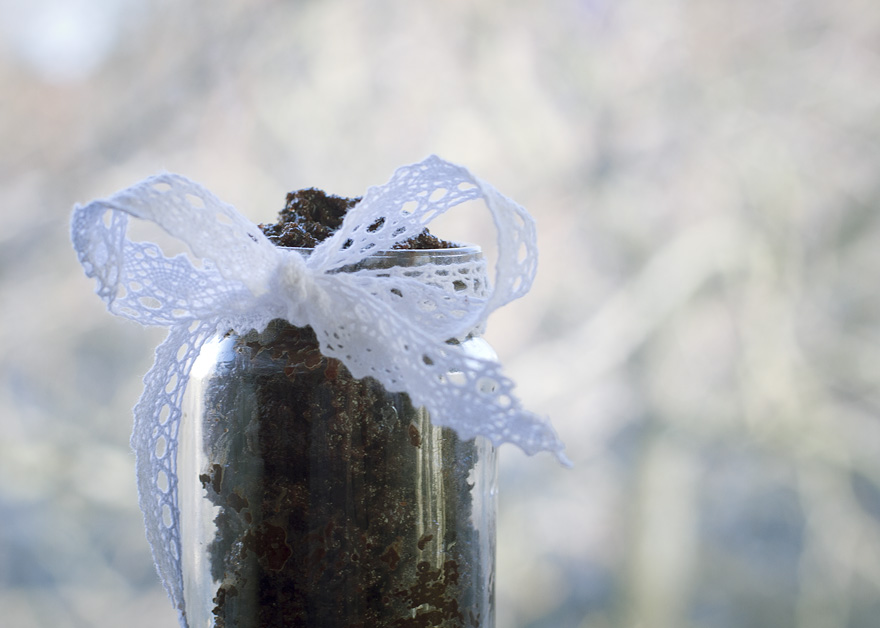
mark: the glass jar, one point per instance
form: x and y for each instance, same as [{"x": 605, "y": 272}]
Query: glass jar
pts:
[{"x": 309, "y": 498}]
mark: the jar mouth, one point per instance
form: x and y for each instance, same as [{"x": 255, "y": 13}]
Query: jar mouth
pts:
[{"x": 410, "y": 257}]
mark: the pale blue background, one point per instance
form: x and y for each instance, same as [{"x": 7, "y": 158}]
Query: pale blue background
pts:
[{"x": 703, "y": 330}]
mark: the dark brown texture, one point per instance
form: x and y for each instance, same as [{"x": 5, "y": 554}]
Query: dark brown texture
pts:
[
  {"x": 319, "y": 492},
  {"x": 311, "y": 216}
]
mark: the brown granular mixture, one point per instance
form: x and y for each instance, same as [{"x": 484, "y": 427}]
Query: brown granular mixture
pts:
[{"x": 311, "y": 216}]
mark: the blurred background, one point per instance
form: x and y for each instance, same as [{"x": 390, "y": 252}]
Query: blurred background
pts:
[{"x": 703, "y": 329}]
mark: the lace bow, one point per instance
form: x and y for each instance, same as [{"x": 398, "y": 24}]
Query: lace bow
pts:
[{"x": 392, "y": 326}]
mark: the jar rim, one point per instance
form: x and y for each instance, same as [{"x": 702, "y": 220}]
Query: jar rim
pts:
[
  {"x": 461, "y": 248},
  {"x": 408, "y": 257}
]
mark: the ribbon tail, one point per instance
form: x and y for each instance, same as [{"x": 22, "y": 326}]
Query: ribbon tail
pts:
[
  {"x": 154, "y": 440},
  {"x": 473, "y": 386},
  {"x": 459, "y": 389}
]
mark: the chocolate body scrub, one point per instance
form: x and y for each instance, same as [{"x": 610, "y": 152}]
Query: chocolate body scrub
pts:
[
  {"x": 311, "y": 498},
  {"x": 315, "y": 439}
]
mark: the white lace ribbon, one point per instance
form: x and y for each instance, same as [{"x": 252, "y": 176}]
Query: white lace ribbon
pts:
[{"x": 392, "y": 326}]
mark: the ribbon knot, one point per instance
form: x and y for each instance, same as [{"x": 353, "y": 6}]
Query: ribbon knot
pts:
[
  {"x": 391, "y": 324},
  {"x": 297, "y": 287}
]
